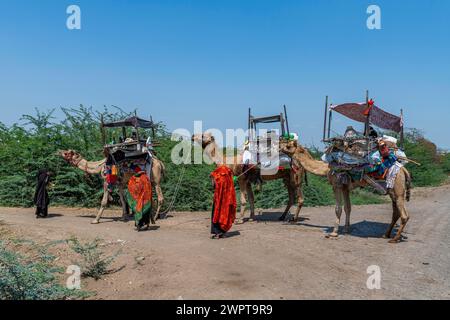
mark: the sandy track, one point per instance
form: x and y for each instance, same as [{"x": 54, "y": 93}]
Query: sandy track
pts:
[{"x": 266, "y": 259}]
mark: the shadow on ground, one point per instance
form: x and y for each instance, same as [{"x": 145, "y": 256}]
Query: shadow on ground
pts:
[{"x": 369, "y": 229}]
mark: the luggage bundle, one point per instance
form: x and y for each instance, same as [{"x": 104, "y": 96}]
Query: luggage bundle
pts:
[{"x": 364, "y": 156}]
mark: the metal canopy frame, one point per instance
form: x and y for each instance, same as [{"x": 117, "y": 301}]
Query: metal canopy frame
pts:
[
  {"x": 130, "y": 122},
  {"x": 328, "y": 116},
  {"x": 279, "y": 118},
  {"x": 134, "y": 122}
]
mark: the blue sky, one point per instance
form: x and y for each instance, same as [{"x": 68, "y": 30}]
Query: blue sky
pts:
[{"x": 212, "y": 59}]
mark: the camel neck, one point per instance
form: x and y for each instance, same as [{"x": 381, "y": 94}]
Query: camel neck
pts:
[
  {"x": 89, "y": 166},
  {"x": 214, "y": 154},
  {"x": 82, "y": 164}
]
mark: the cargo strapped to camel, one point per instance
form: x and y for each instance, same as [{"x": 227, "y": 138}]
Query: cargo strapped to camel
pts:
[
  {"x": 364, "y": 155},
  {"x": 263, "y": 146},
  {"x": 132, "y": 146},
  {"x": 129, "y": 153}
]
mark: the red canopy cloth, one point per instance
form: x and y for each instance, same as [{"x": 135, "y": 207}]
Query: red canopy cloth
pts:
[
  {"x": 379, "y": 117},
  {"x": 224, "y": 198}
]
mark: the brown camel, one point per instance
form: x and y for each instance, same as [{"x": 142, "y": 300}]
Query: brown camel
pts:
[
  {"x": 399, "y": 194},
  {"x": 292, "y": 178},
  {"x": 98, "y": 167}
]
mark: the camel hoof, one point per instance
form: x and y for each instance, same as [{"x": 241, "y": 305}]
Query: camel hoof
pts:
[
  {"x": 95, "y": 222},
  {"x": 394, "y": 241},
  {"x": 332, "y": 235},
  {"x": 282, "y": 218},
  {"x": 386, "y": 236}
]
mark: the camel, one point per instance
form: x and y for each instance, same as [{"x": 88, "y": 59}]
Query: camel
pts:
[
  {"x": 292, "y": 178},
  {"x": 399, "y": 194},
  {"x": 98, "y": 167}
]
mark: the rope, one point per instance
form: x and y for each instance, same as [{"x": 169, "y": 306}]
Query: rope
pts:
[
  {"x": 177, "y": 188},
  {"x": 250, "y": 168}
]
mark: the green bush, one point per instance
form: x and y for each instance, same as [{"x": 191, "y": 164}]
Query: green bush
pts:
[
  {"x": 31, "y": 277},
  {"x": 434, "y": 168},
  {"x": 93, "y": 263},
  {"x": 31, "y": 145},
  {"x": 446, "y": 163}
]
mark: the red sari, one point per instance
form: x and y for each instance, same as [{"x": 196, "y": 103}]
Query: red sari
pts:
[{"x": 224, "y": 208}]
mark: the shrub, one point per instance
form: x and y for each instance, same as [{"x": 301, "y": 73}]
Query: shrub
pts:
[
  {"x": 94, "y": 263},
  {"x": 432, "y": 171},
  {"x": 31, "y": 277},
  {"x": 31, "y": 145}
]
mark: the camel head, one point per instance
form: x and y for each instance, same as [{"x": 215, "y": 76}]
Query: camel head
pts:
[
  {"x": 70, "y": 156},
  {"x": 289, "y": 147},
  {"x": 203, "y": 139}
]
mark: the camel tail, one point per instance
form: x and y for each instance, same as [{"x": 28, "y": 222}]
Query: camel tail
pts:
[{"x": 408, "y": 180}]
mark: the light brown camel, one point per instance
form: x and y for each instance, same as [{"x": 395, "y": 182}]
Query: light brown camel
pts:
[
  {"x": 98, "y": 167},
  {"x": 292, "y": 178},
  {"x": 399, "y": 194}
]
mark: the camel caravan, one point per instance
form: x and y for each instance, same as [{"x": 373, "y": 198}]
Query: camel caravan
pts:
[{"x": 353, "y": 160}]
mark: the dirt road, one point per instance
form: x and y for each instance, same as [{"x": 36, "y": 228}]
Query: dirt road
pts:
[{"x": 266, "y": 259}]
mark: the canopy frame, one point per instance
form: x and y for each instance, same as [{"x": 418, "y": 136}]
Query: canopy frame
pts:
[
  {"x": 279, "y": 118},
  {"x": 133, "y": 122},
  {"x": 362, "y": 112}
]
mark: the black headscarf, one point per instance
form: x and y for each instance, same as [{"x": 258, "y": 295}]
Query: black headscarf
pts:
[
  {"x": 373, "y": 133},
  {"x": 41, "y": 199}
]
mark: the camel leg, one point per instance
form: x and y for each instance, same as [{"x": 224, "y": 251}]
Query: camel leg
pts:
[
  {"x": 103, "y": 205},
  {"x": 160, "y": 200},
  {"x": 404, "y": 217},
  {"x": 338, "y": 210},
  {"x": 395, "y": 217},
  {"x": 300, "y": 201},
  {"x": 152, "y": 214},
  {"x": 251, "y": 201},
  {"x": 243, "y": 191},
  {"x": 347, "y": 208},
  {"x": 123, "y": 202},
  {"x": 291, "y": 193}
]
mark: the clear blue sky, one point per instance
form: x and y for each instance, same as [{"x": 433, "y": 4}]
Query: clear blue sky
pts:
[{"x": 210, "y": 60}]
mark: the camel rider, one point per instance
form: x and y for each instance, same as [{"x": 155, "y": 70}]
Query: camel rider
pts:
[
  {"x": 248, "y": 165},
  {"x": 149, "y": 149},
  {"x": 134, "y": 135},
  {"x": 350, "y": 133},
  {"x": 385, "y": 160},
  {"x": 149, "y": 145},
  {"x": 246, "y": 156},
  {"x": 373, "y": 133}
]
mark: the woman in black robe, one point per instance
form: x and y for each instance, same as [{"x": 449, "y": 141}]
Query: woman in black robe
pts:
[{"x": 41, "y": 199}]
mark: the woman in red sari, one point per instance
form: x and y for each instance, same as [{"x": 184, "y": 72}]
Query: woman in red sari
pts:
[
  {"x": 139, "y": 198},
  {"x": 224, "y": 206}
]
